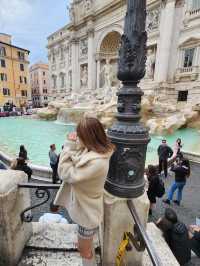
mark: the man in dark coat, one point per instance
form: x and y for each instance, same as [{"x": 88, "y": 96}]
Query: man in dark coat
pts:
[{"x": 164, "y": 153}]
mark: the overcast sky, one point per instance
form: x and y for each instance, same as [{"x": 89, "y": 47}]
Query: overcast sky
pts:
[{"x": 31, "y": 21}]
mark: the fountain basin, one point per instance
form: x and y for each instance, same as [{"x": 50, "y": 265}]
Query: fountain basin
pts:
[{"x": 38, "y": 135}]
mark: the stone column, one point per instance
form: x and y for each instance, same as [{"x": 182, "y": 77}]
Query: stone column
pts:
[
  {"x": 165, "y": 41},
  {"x": 90, "y": 59},
  {"x": 117, "y": 220},
  {"x": 196, "y": 56},
  {"x": 67, "y": 69},
  {"x": 98, "y": 73},
  {"x": 75, "y": 66},
  {"x": 13, "y": 233}
]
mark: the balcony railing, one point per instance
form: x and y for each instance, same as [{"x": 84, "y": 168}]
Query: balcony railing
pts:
[
  {"x": 186, "y": 69},
  {"x": 194, "y": 12},
  {"x": 191, "y": 73}
]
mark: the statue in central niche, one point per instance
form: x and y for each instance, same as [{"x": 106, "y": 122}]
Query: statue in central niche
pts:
[{"x": 107, "y": 70}]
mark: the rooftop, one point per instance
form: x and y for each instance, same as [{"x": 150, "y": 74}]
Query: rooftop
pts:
[{"x": 4, "y": 43}]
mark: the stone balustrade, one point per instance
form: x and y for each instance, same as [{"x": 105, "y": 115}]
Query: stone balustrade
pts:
[
  {"x": 186, "y": 69},
  {"x": 189, "y": 73},
  {"x": 194, "y": 12}
]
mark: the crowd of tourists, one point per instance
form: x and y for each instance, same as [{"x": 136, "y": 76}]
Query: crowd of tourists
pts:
[
  {"x": 182, "y": 239},
  {"x": 82, "y": 167}
]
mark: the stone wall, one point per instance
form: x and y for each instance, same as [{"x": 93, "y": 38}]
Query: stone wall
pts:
[{"x": 13, "y": 233}]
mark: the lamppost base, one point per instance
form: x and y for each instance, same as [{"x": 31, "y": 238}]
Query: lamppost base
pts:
[{"x": 124, "y": 191}]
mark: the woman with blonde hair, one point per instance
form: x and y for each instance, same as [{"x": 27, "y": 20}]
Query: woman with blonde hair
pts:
[{"x": 83, "y": 167}]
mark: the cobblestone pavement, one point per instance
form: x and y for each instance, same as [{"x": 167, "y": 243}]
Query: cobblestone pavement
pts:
[
  {"x": 37, "y": 212},
  {"x": 190, "y": 205}
]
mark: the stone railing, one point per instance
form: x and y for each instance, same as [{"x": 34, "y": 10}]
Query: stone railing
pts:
[
  {"x": 38, "y": 171},
  {"x": 190, "y": 73},
  {"x": 186, "y": 69},
  {"x": 192, "y": 156},
  {"x": 194, "y": 12}
]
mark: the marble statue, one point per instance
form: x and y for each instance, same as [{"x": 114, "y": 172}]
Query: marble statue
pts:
[
  {"x": 150, "y": 65},
  {"x": 84, "y": 77},
  {"x": 83, "y": 47},
  {"x": 87, "y": 5},
  {"x": 71, "y": 12},
  {"x": 70, "y": 56},
  {"x": 153, "y": 19},
  {"x": 108, "y": 74}
]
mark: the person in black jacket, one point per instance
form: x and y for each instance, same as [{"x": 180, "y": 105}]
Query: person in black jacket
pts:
[
  {"x": 195, "y": 239},
  {"x": 182, "y": 171},
  {"x": 176, "y": 235},
  {"x": 164, "y": 153},
  {"x": 21, "y": 165},
  {"x": 23, "y": 153},
  {"x": 153, "y": 178}
]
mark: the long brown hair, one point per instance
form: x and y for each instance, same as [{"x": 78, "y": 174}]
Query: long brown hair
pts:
[{"x": 93, "y": 136}]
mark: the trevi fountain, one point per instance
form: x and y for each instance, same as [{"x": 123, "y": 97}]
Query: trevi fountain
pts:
[{"x": 87, "y": 57}]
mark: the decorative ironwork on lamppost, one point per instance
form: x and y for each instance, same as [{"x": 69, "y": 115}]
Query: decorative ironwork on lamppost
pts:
[{"x": 126, "y": 174}]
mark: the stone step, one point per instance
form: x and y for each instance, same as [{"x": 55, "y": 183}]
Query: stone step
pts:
[
  {"x": 55, "y": 235},
  {"x": 53, "y": 244},
  {"x": 50, "y": 258}
]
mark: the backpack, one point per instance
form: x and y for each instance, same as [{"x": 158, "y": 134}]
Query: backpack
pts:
[{"x": 160, "y": 190}]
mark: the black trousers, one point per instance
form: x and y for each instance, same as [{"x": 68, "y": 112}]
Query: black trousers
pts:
[
  {"x": 163, "y": 165},
  {"x": 54, "y": 168}
]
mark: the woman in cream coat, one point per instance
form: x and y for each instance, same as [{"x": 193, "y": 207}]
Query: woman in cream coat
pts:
[{"x": 83, "y": 167}]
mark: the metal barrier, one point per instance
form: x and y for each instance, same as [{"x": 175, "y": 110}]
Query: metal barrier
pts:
[
  {"x": 140, "y": 239},
  {"x": 41, "y": 192}
]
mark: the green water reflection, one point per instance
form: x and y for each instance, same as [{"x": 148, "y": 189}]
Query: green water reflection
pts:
[{"x": 38, "y": 135}]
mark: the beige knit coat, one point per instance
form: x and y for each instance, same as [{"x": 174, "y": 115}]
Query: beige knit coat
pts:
[{"x": 83, "y": 173}]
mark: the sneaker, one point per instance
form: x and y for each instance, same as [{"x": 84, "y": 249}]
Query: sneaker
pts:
[
  {"x": 167, "y": 201},
  {"x": 176, "y": 202}
]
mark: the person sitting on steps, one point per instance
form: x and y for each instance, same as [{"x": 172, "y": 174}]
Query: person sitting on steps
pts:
[
  {"x": 176, "y": 235},
  {"x": 20, "y": 165}
]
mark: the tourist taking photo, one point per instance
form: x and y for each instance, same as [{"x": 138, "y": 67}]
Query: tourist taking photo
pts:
[{"x": 83, "y": 167}]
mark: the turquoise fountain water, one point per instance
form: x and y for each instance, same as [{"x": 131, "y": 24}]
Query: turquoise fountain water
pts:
[{"x": 37, "y": 135}]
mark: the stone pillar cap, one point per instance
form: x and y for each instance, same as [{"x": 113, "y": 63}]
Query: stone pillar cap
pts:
[{"x": 9, "y": 179}]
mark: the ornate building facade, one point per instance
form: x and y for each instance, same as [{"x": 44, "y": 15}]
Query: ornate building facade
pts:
[{"x": 83, "y": 55}]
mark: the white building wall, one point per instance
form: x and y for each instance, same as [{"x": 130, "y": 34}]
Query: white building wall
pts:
[{"x": 170, "y": 24}]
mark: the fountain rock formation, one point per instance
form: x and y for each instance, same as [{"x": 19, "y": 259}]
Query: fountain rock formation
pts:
[{"x": 158, "y": 113}]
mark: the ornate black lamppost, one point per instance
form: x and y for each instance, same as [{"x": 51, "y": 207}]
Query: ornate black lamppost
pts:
[{"x": 126, "y": 175}]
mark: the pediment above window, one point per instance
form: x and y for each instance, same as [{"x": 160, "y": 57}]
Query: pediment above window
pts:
[{"x": 191, "y": 42}]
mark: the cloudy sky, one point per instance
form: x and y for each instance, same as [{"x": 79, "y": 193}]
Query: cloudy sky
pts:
[{"x": 31, "y": 21}]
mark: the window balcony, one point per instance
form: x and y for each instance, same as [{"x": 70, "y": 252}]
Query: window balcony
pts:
[
  {"x": 187, "y": 73},
  {"x": 194, "y": 12}
]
